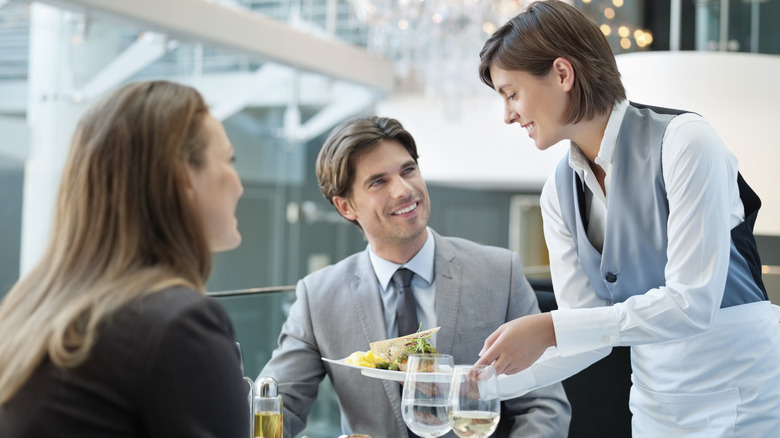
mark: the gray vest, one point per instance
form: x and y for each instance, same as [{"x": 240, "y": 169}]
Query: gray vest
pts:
[{"x": 633, "y": 256}]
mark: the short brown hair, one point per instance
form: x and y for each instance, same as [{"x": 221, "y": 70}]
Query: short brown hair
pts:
[
  {"x": 347, "y": 142},
  {"x": 547, "y": 30}
]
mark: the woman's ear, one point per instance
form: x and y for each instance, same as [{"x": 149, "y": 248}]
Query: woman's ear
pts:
[
  {"x": 564, "y": 73},
  {"x": 187, "y": 182},
  {"x": 344, "y": 208}
]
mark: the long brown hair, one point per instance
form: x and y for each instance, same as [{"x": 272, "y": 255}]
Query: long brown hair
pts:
[
  {"x": 123, "y": 227},
  {"x": 547, "y": 30}
]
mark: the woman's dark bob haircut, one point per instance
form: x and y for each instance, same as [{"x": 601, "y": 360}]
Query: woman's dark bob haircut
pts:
[{"x": 548, "y": 30}]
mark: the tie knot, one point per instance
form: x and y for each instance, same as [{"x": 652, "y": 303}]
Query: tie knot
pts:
[{"x": 403, "y": 277}]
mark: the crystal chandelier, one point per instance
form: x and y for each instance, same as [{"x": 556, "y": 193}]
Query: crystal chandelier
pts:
[{"x": 435, "y": 43}]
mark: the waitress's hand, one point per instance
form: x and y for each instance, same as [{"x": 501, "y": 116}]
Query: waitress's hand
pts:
[{"x": 517, "y": 344}]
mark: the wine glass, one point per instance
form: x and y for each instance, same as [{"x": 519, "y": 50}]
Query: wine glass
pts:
[
  {"x": 426, "y": 394},
  {"x": 475, "y": 407},
  {"x": 250, "y": 392}
]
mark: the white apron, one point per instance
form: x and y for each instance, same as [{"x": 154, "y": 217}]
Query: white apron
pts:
[{"x": 724, "y": 382}]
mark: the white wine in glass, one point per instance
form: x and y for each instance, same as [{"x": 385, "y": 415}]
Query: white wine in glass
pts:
[
  {"x": 475, "y": 407},
  {"x": 426, "y": 394}
]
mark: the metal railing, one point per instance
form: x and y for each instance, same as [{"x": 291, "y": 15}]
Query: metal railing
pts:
[{"x": 251, "y": 291}]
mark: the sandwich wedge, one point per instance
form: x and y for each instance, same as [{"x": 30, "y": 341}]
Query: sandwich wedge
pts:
[{"x": 394, "y": 352}]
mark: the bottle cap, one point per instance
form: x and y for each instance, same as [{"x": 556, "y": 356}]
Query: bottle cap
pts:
[{"x": 266, "y": 387}]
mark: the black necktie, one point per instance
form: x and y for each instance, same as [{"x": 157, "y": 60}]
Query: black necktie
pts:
[{"x": 406, "y": 312}]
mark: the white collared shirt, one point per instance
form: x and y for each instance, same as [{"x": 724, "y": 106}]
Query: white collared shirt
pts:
[
  {"x": 422, "y": 285},
  {"x": 693, "y": 290},
  {"x": 700, "y": 175}
]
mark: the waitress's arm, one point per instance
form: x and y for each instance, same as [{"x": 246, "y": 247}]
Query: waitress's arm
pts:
[
  {"x": 550, "y": 368},
  {"x": 700, "y": 177}
]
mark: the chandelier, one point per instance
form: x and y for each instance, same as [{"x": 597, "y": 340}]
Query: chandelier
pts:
[{"x": 435, "y": 44}]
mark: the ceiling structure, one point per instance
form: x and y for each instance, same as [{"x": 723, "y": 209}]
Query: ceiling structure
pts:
[{"x": 240, "y": 53}]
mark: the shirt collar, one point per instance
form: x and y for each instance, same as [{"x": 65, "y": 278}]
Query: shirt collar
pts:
[
  {"x": 421, "y": 264},
  {"x": 577, "y": 159}
]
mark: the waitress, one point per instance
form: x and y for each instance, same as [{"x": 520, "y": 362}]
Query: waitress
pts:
[{"x": 649, "y": 229}]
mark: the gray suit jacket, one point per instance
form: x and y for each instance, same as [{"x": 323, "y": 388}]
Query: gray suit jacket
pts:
[{"x": 338, "y": 310}]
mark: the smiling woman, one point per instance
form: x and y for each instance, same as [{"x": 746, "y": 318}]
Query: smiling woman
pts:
[
  {"x": 117, "y": 304},
  {"x": 675, "y": 275},
  {"x": 216, "y": 188}
]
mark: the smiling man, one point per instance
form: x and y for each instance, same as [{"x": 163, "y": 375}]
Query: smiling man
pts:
[{"x": 368, "y": 170}]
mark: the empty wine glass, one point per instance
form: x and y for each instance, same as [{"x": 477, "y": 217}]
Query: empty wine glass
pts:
[
  {"x": 475, "y": 407},
  {"x": 426, "y": 394},
  {"x": 250, "y": 392}
]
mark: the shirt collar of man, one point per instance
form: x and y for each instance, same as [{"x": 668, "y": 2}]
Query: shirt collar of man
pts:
[{"x": 421, "y": 264}]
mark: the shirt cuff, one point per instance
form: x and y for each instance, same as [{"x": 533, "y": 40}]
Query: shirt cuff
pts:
[
  {"x": 581, "y": 330},
  {"x": 515, "y": 385}
]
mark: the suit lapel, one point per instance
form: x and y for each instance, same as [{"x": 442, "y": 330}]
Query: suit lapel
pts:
[
  {"x": 447, "y": 274},
  {"x": 364, "y": 288}
]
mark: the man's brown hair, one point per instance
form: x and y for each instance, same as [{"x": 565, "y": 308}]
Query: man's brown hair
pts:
[{"x": 349, "y": 141}]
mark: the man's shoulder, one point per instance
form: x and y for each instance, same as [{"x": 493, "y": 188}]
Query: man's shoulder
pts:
[
  {"x": 336, "y": 271},
  {"x": 461, "y": 245}
]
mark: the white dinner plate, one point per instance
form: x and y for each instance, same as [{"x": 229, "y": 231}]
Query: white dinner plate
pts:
[
  {"x": 508, "y": 386},
  {"x": 375, "y": 373},
  {"x": 378, "y": 373}
]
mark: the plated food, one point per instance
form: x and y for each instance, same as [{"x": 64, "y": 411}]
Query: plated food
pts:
[
  {"x": 391, "y": 354},
  {"x": 374, "y": 373}
]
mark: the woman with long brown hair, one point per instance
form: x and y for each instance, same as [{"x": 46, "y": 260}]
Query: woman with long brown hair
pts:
[{"x": 111, "y": 333}]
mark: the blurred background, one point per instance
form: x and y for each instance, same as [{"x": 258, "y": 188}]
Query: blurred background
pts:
[{"x": 281, "y": 74}]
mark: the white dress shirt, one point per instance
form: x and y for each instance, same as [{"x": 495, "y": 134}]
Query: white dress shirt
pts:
[
  {"x": 422, "y": 285},
  {"x": 700, "y": 175}
]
